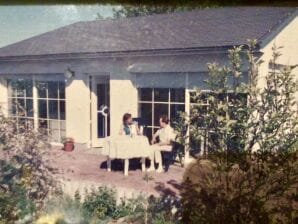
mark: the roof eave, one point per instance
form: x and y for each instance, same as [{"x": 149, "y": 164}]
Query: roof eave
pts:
[{"x": 132, "y": 53}]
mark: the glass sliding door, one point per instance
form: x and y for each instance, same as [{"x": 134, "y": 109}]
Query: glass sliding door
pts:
[
  {"x": 103, "y": 105},
  {"x": 100, "y": 109}
]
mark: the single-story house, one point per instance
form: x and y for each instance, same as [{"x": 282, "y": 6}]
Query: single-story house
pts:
[{"x": 80, "y": 79}]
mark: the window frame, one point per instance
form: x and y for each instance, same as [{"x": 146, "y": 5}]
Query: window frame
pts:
[
  {"x": 152, "y": 102},
  {"x": 35, "y": 98}
]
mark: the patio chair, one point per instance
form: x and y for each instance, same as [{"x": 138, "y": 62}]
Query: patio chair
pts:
[{"x": 170, "y": 157}]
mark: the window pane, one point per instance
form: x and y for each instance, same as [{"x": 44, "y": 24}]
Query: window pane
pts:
[
  {"x": 101, "y": 126},
  {"x": 53, "y": 90},
  {"x": 175, "y": 109},
  {"x": 20, "y": 88},
  {"x": 12, "y": 88},
  {"x": 13, "y": 107},
  {"x": 29, "y": 107},
  {"x": 21, "y": 107},
  {"x": 53, "y": 124},
  {"x": 28, "y": 86},
  {"x": 43, "y": 124},
  {"x": 103, "y": 95},
  {"x": 42, "y": 89},
  {"x": 146, "y": 113},
  {"x": 62, "y": 109},
  {"x": 62, "y": 90},
  {"x": 149, "y": 131},
  {"x": 42, "y": 108},
  {"x": 63, "y": 125},
  {"x": 55, "y": 135},
  {"x": 161, "y": 95},
  {"x": 145, "y": 94},
  {"x": 159, "y": 110},
  {"x": 53, "y": 109},
  {"x": 63, "y": 133},
  {"x": 177, "y": 95}
]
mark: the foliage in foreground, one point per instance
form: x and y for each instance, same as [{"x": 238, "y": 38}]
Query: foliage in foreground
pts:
[
  {"x": 99, "y": 206},
  {"x": 26, "y": 178}
]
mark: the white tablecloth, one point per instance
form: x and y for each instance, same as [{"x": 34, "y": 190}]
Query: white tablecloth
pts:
[{"x": 126, "y": 147}]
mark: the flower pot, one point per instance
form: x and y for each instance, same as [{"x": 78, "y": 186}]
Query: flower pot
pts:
[{"x": 68, "y": 146}]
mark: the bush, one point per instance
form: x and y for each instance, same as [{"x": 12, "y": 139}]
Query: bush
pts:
[
  {"x": 14, "y": 203},
  {"x": 26, "y": 178},
  {"x": 99, "y": 206},
  {"x": 263, "y": 190}
]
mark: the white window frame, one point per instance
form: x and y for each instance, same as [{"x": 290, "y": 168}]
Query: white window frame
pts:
[{"x": 35, "y": 79}]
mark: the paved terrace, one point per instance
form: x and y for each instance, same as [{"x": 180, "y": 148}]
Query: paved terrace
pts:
[{"x": 83, "y": 168}]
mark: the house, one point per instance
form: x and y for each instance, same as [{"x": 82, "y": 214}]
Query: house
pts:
[{"x": 80, "y": 79}]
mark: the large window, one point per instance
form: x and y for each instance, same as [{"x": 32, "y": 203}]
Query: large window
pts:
[
  {"x": 154, "y": 102},
  {"x": 49, "y": 99},
  {"x": 51, "y": 108}
]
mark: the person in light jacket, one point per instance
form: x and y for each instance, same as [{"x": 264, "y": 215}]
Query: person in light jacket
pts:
[{"x": 167, "y": 136}]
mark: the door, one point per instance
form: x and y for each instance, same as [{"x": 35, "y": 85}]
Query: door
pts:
[{"x": 100, "y": 100}]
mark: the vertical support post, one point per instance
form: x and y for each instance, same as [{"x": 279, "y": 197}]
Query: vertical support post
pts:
[
  {"x": 187, "y": 158},
  {"x": 4, "y": 95},
  {"x": 35, "y": 104}
]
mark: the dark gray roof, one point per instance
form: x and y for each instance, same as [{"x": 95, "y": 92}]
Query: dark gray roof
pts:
[{"x": 195, "y": 29}]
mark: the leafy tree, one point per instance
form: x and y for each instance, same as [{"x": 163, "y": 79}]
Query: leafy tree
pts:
[
  {"x": 127, "y": 11},
  {"x": 249, "y": 174},
  {"x": 145, "y": 10}
]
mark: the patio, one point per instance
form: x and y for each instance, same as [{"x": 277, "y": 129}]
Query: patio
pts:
[{"x": 84, "y": 168}]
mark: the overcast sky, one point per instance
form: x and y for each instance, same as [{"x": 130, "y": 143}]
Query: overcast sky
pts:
[{"x": 21, "y": 22}]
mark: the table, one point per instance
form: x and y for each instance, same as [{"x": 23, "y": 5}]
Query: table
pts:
[{"x": 126, "y": 147}]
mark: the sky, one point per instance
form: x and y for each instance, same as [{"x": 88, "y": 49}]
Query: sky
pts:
[{"x": 21, "y": 22}]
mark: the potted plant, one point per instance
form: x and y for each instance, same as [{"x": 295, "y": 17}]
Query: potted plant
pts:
[{"x": 68, "y": 144}]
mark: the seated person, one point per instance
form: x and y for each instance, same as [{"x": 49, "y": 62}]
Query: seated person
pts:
[
  {"x": 128, "y": 127},
  {"x": 166, "y": 136}
]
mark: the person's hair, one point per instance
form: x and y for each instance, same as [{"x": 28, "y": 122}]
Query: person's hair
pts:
[
  {"x": 164, "y": 119},
  {"x": 126, "y": 116}
]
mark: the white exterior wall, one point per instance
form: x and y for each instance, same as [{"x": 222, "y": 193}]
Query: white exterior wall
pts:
[
  {"x": 3, "y": 96},
  {"x": 78, "y": 108},
  {"x": 287, "y": 38}
]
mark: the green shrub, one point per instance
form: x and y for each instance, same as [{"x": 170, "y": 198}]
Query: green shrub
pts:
[
  {"x": 100, "y": 203},
  {"x": 14, "y": 203}
]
